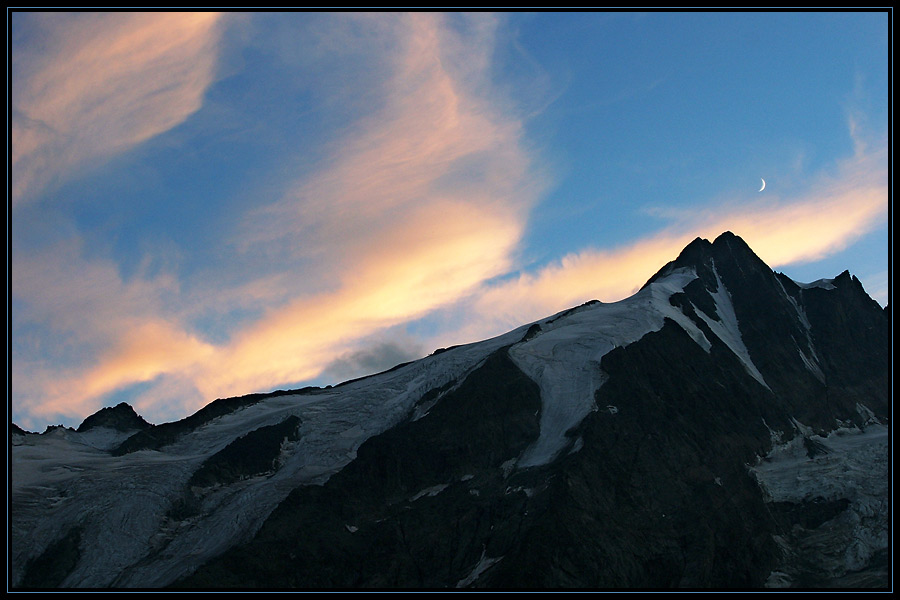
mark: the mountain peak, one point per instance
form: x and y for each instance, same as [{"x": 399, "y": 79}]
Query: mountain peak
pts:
[
  {"x": 673, "y": 438},
  {"x": 736, "y": 246},
  {"x": 120, "y": 417},
  {"x": 701, "y": 253}
]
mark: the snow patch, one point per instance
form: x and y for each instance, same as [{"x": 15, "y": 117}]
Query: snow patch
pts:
[
  {"x": 825, "y": 284},
  {"x": 727, "y": 328},
  {"x": 866, "y": 414},
  {"x": 565, "y": 359},
  {"x": 856, "y": 467},
  {"x": 430, "y": 491},
  {"x": 812, "y": 366},
  {"x": 104, "y": 438},
  {"x": 800, "y": 312},
  {"x": 529, "y": 492},
  {"x": 124, "y": 501},
  {"x": 806, "y": 430},
  {"x": 483, "y": 564},
  {"x": 577, "y": 446},
  {"x": 778, "y": 580},
  {"x": 774, "y": 436},
  {"x": 788, "y": 474}
]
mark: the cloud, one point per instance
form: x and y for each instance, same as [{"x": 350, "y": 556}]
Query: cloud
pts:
[
  {"x": 433, "y": 139},
  {"x": 836, "y": 210},
  {"x": 143, "y": 352},
  {"x": 418, "y": 203},
  {"x": 86, "y": 86},
  {"x": 877, "y": 285},
  {"x": 100, "y": 331},
  {"x": 416, "y": 211},
  {"x": 374, "y": 358},
  {"x": 58, "y": 287}
]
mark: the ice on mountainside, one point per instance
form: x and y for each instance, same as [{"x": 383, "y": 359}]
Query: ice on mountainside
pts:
[
  {"x": 145, "y": 518},
  {"x": 852, "y": 465},
  {"x": 135, "y": 543},
  {"x": 565, "y": 358},
  {"x": 727, "y": 329},
  {"x": 812, "y": 363},
  {"x": 825, "y": 284}
]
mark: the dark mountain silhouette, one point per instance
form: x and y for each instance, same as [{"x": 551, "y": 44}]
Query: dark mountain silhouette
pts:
[
  {"x": 726, "y": 427},
  {"x": 120, "y": 417}
]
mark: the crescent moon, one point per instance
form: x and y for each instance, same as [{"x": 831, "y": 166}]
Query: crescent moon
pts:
[{"x": 763, "y": 185}]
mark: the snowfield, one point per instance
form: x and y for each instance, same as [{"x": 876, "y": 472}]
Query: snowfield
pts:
[
  {"x": 132, "y": 537},
  {"x": 133, "y": 543},
  {"x": 854, "y": 466},
  {"x": 565, "y": 358}
]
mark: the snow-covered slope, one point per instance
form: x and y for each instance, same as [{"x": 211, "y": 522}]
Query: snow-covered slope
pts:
[
  {"x": 850, "y": 465},
  {"x": 715, "y": 321},
  {"x": 565, "y": 357},
  {"x": 135, "y": 543},
  {"x": 121, "y": 503}
]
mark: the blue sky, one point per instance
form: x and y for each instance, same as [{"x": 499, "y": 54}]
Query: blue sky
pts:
[{"x": 218, "y": 204}]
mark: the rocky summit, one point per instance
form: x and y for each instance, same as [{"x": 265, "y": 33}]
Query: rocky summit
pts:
[{"x": 725, "y": 427}]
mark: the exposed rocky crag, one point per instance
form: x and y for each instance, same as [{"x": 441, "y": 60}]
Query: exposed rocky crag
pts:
[
  {"x": 726, "y": 427},
  {"x": 120, "y": 417}
]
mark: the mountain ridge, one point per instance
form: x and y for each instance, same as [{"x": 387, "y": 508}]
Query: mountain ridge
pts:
[
  {"x": 638, "y": 444},
  {"x": 697, "y": 252}
]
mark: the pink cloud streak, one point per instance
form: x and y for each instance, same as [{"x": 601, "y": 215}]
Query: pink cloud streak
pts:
[{"x": 100, "y": 83}]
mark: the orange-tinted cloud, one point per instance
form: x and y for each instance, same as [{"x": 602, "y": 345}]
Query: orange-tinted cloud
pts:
[
  {"x": 144, "y": 351},
  {"x": 419, "y": 203},
  {"x": 89, "y": 85},
  {"x": 105, "y": 331},
  {"x": 428, "y": 261},
  {"x": 434, "y": 139},
  {"x": 836, "y": 211}
]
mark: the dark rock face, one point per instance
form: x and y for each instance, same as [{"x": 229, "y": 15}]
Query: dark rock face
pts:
[
  {"x": 16, "y": 430},
  {"x": 157, "y": 436},
  {"x": 658, "y": 495},
  {"x": 852, "y": 336},
  {"x": 809, "y": 514},
  {"x": 50, "y": 568},
  {"x": 249, "y": 455},
  {"x": 418, "y": 506},
  {"x": 656, "y": 492},
  {"x": 841, "y": 332},
  {"x": 659, "y": 487},
  {"x": 120, "y": 417}
]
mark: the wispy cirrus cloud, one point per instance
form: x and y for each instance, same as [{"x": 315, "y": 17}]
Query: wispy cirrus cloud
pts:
[
  {"x": 418, "y": 203},
  {"x": 89, "y": 85},
  {"x": 88, "y": 314},
  {"x": 416, "y": 210}
]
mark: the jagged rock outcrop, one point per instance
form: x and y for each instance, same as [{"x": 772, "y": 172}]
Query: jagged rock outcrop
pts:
[
  {"x": 157, "y": 436},
  {"x": 726, "y": 427},
  {"x": 656, "y": 493},
  {"x": 120, "y": 417}
]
